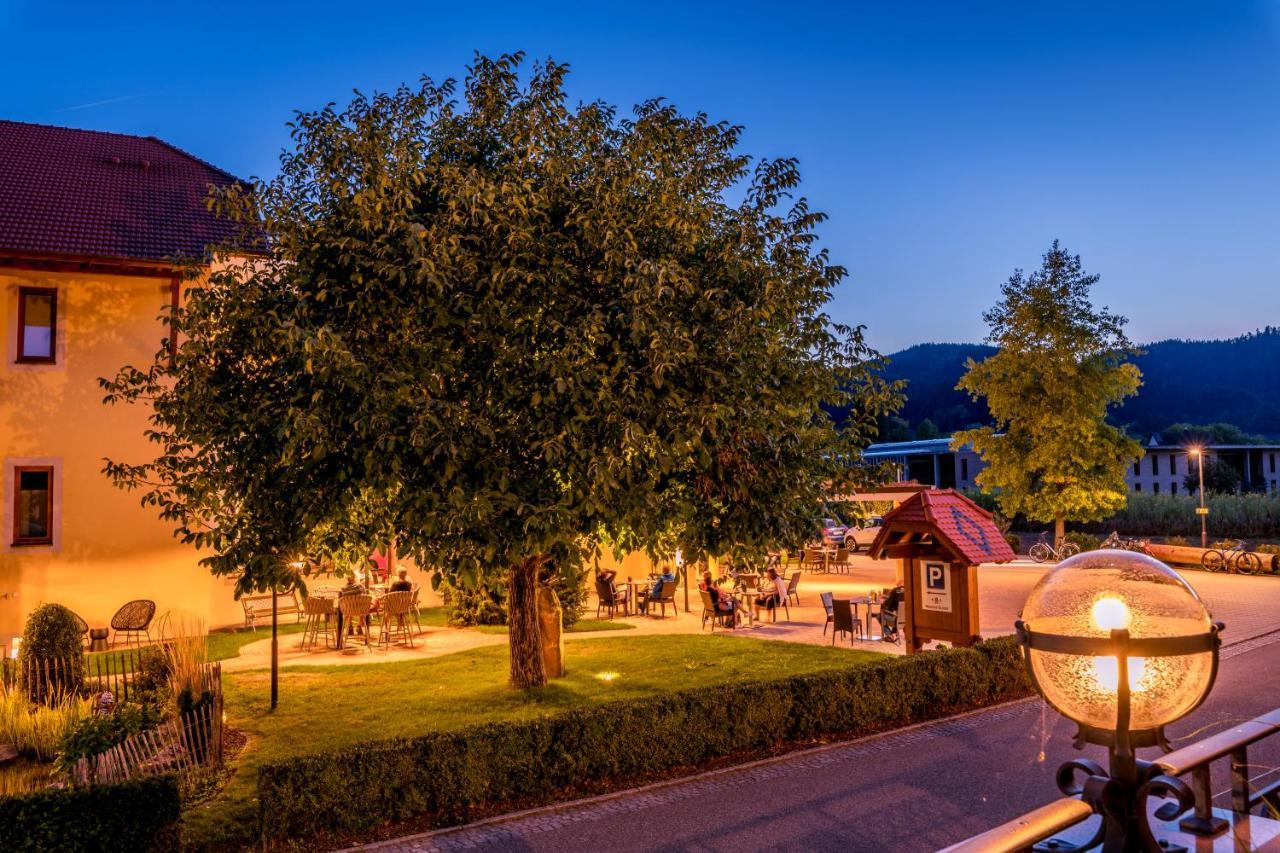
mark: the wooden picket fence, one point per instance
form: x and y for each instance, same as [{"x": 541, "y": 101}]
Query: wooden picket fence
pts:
[
  {"x": 190, "y": 742},
  {"x": 114, "y": 673}
]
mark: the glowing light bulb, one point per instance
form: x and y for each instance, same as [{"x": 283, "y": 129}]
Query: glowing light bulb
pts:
[
  {"x": 1106, "y": 671},
  {"x": 1110, "y": 614},
  {"x": 606, "y": 677}
]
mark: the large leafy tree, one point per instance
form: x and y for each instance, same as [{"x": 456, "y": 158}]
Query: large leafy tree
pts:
[
  {"x": 497, "y": 327},
  {"x": 1062, "y": 364}
]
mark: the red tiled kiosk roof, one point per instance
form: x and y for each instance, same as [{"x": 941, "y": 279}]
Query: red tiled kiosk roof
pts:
[
  {"x": 960, "y": 525},
  {"x": 89, "y": 194}
]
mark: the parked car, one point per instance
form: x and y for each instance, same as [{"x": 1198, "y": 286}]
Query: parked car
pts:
[
  {"x": 860, "y": 538},
  {"x": 833, "y": 532}
]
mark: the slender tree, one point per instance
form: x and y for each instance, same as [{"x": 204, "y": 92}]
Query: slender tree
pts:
[
  {"x": 499, "y": 327},
  {"x": 1062, "y": 364}
]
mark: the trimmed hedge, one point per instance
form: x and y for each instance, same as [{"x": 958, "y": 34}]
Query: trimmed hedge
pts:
[
  {"x": 140, "y": 815},
  {"x": 447, "y": 774}
]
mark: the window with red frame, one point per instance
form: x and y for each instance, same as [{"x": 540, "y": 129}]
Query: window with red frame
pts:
[
  {"x": 37, "y": 324},
  {"x": 33, "y": 506}
]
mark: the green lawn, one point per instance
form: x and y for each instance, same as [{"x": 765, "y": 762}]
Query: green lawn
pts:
[
  {"x": 328, "y": 707},
  {"x": 582, "y": 626}
]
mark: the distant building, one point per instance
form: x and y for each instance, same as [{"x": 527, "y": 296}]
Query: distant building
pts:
[{"x": 1162, "y": 471}]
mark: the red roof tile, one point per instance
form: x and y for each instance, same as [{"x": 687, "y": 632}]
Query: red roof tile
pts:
[
  {"x": 964, "y": 527},
  {"x": 86, "y": 193}
]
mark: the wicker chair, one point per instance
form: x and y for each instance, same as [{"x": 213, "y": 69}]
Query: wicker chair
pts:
[
  {"x": 133, "y": 620},
  {"x": 415, "y": 610},
  {"x": 355, "y": 611},
  {"x": 397, "y": 610},
  {"x": 709, "y": 612},
  {"x": 82, "y": 625},
  {"x": 610, "y": 599},
  {"x": 827, "y": 599},
  {"x": 840, "y": 563},
  {"x": 842, "y": 621},
  {"x": 667, "y": 595},
  {"x": 319, "y": 612}
]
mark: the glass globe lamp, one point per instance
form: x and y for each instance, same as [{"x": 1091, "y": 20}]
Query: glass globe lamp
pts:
[{"x": 1118, "y": 641}]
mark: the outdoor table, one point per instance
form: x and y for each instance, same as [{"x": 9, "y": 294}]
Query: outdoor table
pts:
[{"x": 871, "y": 607}]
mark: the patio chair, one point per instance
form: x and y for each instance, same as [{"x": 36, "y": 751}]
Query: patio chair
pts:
[
  {"x": 665, "y": 596},
  {"x": 841, "y": 561},
  {"x": 793, "y": 588},
  {"x": 355, "y": 612},
  {"x": 826, "y": 605},
  {"x": 133, "y": 620},
  {"x": 842, "y": 621},
  {"x": 709, "y": 612},
  {"x": 397, "y": 608},
  {"x": 415, "y": 609},
  {"x": 318, "y": 612},
  {"x": 779, "y": 603},
  {"x": 609, "y": 599},
  {"x": 82, "y": 625}
]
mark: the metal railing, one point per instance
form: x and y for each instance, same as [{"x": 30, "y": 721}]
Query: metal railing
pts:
[{"x": 1041, "y": 824}]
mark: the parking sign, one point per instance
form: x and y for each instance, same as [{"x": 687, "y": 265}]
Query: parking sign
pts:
[{"x": 935, "y": 587}]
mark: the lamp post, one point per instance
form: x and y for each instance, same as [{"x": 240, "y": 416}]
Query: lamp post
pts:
[
  {"x": 1198, "y": 453},
  {"x": 1119, "y": 643}
]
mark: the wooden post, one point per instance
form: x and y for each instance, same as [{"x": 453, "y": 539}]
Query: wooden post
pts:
[{"x": 275, "y": 653}]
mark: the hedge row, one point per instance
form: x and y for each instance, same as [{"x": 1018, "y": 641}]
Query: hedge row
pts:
[
  {"x": 1237, "y": 516},
  {"x": 141, "y": 815},
  {"x": 448, "y": 774}
]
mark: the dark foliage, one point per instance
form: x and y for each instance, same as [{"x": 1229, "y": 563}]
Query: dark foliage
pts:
[
  {"x": 54, "y": 633},
  {"x": 140, "y": 815}
]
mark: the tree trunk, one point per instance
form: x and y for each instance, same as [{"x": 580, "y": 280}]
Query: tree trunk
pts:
[
  {"x": 1059, "y": 531},
  {"x": 525, "y": 635}
]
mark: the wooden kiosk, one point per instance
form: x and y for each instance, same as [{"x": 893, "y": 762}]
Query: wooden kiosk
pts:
[{"x": 940, "y": 537}]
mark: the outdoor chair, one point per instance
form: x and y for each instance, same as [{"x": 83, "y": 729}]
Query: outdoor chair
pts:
[
  {"x": 841, "y": 561},
  {"x": 709, "y": 612},
  {"x": 133, "y": 620},
  {"x": 318, "y": 612},
  {"x": 826, "y": 605},
  {"x": 793, "y": 588},
  {"x": 82, "y": 625},
  {"x": 355, "y": 613},
  {"x": 609, "y": 599},
  {"x": 415, "y": 609},
  {"x": 666, "y": 595},
  {"x": 397, "y": 608},
  {"x": 779, "y": 603},
  {"x": 842, "y": 621}
]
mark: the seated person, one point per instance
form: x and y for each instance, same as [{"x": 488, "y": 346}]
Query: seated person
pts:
[
  {"x": 725, "y": 605},
  {"x": 402, "y": 583},
  {"x": 647, "y": 595},
  {"x": 771, "y": 591},
  {"x": 605, "y": 580},
  {"x": 352, "y": 587},
  {"x": 887, "y": 616}
]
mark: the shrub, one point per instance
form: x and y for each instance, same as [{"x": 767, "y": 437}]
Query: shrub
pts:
[
  {"x": 1177, "y": 541},
  {"x": 95, "y": 734},
  {"x": 1015, "y": 542},
  {"x": 53, "y": 634},
  {"x": 447, "y": 774},
  {"x": 140, "y": 815},
  {"x": 1084, "y": 541},
  {"x": 1242, "y": 516}
]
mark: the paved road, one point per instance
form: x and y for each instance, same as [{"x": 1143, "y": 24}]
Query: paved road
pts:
[{"x": 917, "y": 789}]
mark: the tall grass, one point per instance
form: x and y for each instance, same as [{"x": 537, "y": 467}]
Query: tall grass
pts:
[
  {"x": 186, "y": 650},
  {"x": 1248, "y": 516},
  {"x": 37, "y": 729}
]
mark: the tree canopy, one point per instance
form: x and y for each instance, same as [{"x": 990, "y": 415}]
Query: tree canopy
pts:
[
  {"x": 495, "y": 327},
  {"x": 1060, "y": 366}
]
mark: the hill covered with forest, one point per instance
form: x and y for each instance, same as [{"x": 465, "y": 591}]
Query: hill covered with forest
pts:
[{"x": 1234, "y": 381}]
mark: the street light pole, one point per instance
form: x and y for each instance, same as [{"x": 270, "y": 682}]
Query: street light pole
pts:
[{"x": 1198, "y": 453}]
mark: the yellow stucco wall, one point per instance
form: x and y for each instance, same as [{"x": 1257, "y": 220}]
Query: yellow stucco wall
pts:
[{"x": 107, "y": 548}]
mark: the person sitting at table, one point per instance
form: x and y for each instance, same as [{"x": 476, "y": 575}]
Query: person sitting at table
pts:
[
  {"x": 725, "y": 605},
  {"x": 353, "y": 587},
  {"x": 652, "y": 593},
  {"x": 402, "y": 583},
  {"x": 771, "y": 591}
]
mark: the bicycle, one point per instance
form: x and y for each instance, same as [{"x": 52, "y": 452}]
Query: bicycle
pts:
[
  {"x": 1043, "y": 551},
  {"x": 1237, "y": 558}
]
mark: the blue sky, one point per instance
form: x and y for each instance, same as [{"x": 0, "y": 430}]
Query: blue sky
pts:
[{"x": 949, "y": 142}]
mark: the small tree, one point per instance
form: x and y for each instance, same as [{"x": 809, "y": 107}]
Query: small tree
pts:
[
  {"x": 501, "y": 329},
  {"x": 52, "y": 652},
  {"x": 1051, "y": 454},
  {"x": 1220, "y": 477}
]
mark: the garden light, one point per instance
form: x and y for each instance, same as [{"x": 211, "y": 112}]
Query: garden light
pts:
[{"x": 1119, "y": 643}]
